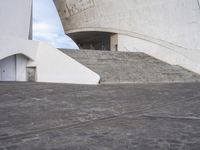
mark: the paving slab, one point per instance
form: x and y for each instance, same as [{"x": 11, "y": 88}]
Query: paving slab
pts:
[{"x": 36, "y": 116}]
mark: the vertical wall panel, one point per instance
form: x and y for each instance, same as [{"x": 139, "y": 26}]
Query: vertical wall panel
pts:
[{"x": 15, "y": 16}]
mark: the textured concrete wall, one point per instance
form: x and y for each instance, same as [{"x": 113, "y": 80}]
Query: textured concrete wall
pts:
[
  {"x": 172, "y": 21},
  {"x": 174, "y": 55},
  {"x": 15, "y": 18}
]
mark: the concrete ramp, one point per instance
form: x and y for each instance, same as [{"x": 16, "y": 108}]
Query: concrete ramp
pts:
[{"x": 131, "y": 67}]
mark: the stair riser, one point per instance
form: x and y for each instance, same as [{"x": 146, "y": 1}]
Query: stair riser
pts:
[{"x": 122, "y": 67}]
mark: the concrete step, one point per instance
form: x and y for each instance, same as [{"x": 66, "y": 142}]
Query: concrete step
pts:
[{"x": 130, "y": 67}]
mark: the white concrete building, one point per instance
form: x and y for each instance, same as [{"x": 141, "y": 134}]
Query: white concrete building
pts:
[
  {"x": 22, "y": 59},
  {"x": 16, "y": 23},
  {"x": 166, "y": 29}
]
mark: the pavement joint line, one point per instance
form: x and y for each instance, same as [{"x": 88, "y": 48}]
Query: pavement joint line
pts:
[
  {"x": 171, "y": 117},
  {"x": 82, "y": 124}
]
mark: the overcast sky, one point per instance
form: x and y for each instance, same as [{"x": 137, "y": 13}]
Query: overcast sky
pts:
[{"x": 47, "y": 26}]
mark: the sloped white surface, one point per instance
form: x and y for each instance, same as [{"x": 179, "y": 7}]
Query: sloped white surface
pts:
[{"x": 51, "y": 64}]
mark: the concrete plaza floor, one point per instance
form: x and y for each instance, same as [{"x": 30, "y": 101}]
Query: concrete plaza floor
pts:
[{"x": 41, "y": 116}]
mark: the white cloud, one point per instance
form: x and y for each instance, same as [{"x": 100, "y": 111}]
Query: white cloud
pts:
[
  {"x": 47, "y": 26},
  {"x": 59, "y": 41},
  {"x": 43, "y": 27}
]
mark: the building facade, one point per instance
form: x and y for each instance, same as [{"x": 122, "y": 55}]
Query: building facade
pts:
[
  {"x": 22, "y": 59},
  {"x": 168, "y": 30},
  {"x": 16, "y": 22},
  {"x": 92, "y": 22}
]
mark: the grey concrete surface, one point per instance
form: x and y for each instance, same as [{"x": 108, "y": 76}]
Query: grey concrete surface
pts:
[
  {"x": 131, "y": 67},
  {"x": 40, "y": 116}
]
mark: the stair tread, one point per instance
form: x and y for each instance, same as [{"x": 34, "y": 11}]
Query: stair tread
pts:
[{"x": 130, "y": 67}]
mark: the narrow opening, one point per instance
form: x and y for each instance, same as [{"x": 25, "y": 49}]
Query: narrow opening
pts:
[
  {"x": 31, "y": 74},
  {"x": 92, "y": 40},
  {"x": 116, "y": 47}
]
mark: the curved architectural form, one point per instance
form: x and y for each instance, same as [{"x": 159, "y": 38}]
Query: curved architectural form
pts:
[
  {"x": 15, "y": 23},
  {"x": 24, "y": 60},
  {"x": 168, "y": 30},
  {"x": 171, "y": 21}
]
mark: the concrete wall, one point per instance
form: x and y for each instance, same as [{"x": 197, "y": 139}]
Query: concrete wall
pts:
[
  {"x": 172, "y": 21},
  {"x": 166, "y": 29},
  {"x": 51, "y": 64},
  {"x": 15, "y": 16},
  {"x": 12, "y": 46},
  {"x": 114, "y": 42},
  {"x": 21, "y": 63},
  {"x": 171, "y": 54},
  {"x": 8, "y": 69}
]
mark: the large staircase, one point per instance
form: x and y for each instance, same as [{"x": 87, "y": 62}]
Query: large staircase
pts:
[{"x": 130, "y": 67}]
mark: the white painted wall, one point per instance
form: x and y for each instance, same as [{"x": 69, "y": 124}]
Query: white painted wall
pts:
[
  {"x": 51, "y": 64},
  {"x": 13, "y": 68},
  {"x": 15, "y": 16},
  {"x": 11, "y": 46},
  {"x": 55, "y": 66},
  {"x": 21, "y": 63},
  {"x": 8, "y": 69}
]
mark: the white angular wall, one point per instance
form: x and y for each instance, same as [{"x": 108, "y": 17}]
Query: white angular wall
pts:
[{"x": 51, "y": 64}]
